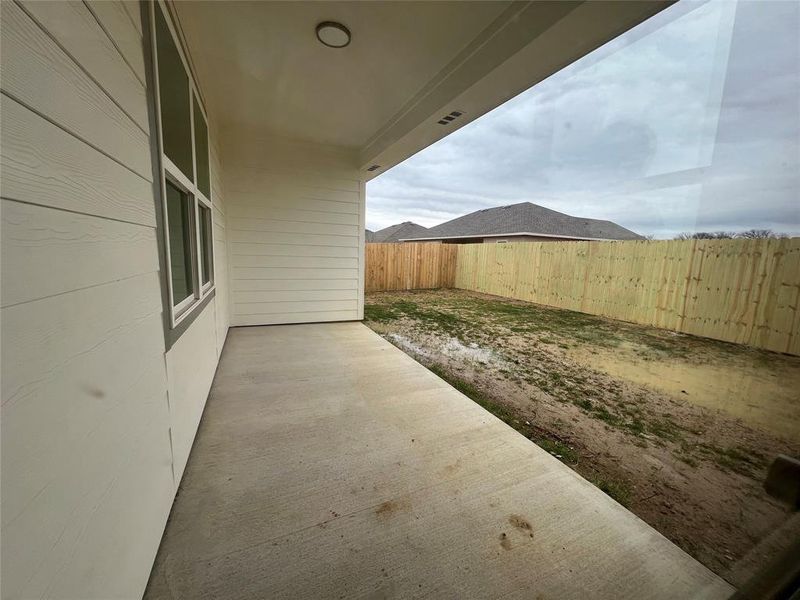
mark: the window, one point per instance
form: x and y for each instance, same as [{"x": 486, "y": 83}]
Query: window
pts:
[
  {"x": 173, "y": 96},
  {"x": 185, "y": 175},
  {"x": 179, "y": 227}
]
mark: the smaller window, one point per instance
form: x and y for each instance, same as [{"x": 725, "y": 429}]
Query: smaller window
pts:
[
  {"x": 179, "y": 228},
  {"x": 206, "y": 251}
]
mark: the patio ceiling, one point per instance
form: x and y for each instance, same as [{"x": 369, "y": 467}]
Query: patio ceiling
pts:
[
  {"x": 409, "y": 63},
  {"x": 264, "y": 68}
]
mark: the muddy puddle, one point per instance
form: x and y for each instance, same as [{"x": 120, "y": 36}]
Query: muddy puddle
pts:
[{"x": 448, "y": 347}]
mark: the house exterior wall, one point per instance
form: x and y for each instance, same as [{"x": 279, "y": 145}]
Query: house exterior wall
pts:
[
  {"x": 219, "y": 220},
  {"x": 296, "y": 231},
  {"x": 97, "y": 419}
]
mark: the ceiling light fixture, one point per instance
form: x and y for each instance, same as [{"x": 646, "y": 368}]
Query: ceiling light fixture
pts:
[{"x": 333, "y": 35}]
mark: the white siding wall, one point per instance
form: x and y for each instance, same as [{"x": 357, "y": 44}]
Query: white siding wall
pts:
[
  {"x": 89, "y": 399},
  {"x": 295, "y": 232},
  {"x": 191, "y": 364},
  {"x": 221, "y": 300}
]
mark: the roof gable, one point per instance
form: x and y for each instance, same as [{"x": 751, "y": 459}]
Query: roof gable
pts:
[
  {"x": 394, "y": 233},
  {"x": 527, "y": 217}
]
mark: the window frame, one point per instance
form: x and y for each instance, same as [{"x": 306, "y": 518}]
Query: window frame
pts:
[
  {"x": 180, "y": 308},
  {"x": 205, "y": 242},
  {"x": 168, "y": 171}
]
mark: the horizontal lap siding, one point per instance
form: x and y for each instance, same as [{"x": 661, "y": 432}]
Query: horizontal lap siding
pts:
[
  {"x": 116, "y": 19},
  {"x": 74, "y": 27},
  {"x": 295, "y": 233},
  {"x": 46, "y": 252},
  {"x": 45, "y": 164},
  {"x": 40, "y": 74},
  {"x": 219, "y": 220},
  {"x": 86, "y": 460}
]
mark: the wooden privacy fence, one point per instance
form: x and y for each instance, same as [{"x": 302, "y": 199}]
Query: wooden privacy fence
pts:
[
  {"x": 743, "y": 291},
  {"x": 409, "y": 266}
]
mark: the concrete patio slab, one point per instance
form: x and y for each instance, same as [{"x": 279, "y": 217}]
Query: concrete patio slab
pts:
[{"x": 329, "y": 464}]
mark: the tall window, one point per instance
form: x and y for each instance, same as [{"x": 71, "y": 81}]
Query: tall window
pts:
[{"x": 185, "y": 175}]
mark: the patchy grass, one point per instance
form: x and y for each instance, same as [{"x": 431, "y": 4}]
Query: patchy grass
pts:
[
  {"x": 666, "y": 429},
  {"x": 433, "y": 319},
  {"x": 739, "y": 460},
  {"x": 379, "y": 313},
  {"x": 554, "y": 326},
  {"x": 618, "y": 490},
  {"x": 560, "y": 450},
  {"x": 561, "y": 385},
  {"x": 476, "y": 395}
]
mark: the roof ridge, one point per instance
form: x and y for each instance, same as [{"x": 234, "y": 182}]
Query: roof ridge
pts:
[{"x": 526, "y": 217}]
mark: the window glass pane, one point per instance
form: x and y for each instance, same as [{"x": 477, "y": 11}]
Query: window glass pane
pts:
[
  {"x": 206, "y": 256},
  {"x": 180, "y": 245},
  {"x": 173, "y": 86},
  {"x": 201, "y": 151}
]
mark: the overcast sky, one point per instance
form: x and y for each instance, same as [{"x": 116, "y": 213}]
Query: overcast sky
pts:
[{"x": 689, "y": 122}]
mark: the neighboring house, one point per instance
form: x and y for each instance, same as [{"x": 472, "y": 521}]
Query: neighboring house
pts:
[
  {"x": 394, "y": 233},
  {"x": 523, "y": 222},
  {"x": 171, "y": 170},
  {"x": 369, "y": 235}
]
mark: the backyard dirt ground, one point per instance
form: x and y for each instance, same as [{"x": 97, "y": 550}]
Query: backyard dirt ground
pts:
[{"x": 679, "y": 429}]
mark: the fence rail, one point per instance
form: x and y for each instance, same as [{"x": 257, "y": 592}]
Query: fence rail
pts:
[
  {"x": 409, "y": 266},
  {"x": 742, "y": 291}
]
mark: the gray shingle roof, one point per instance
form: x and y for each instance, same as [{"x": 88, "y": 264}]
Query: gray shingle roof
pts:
[
  {"x": 394, "y": 233},
  {"x": 527, "y": 217}
]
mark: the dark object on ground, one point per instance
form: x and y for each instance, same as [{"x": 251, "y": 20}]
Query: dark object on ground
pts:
[{"x": 783, "y": 480}]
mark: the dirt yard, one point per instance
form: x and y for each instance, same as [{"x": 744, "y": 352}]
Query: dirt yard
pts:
[{"x": 677, "y": 428}]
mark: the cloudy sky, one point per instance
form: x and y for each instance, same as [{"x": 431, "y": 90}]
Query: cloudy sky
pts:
[{"x": 689, "y": 122}]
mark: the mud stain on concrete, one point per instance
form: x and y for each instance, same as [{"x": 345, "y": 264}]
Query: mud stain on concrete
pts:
[
  {"x": 390, "y": 508},
  {"x": 522, "y": 524},
  {"x": 505, "y": 543}
]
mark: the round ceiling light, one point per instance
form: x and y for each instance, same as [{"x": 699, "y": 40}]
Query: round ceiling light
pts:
[{"x": 332, "y": 34}]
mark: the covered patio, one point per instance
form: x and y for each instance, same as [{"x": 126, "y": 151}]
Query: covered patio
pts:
[
  {"x": 183, "y": 186},
  {"x": 328, "y": 463}
]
